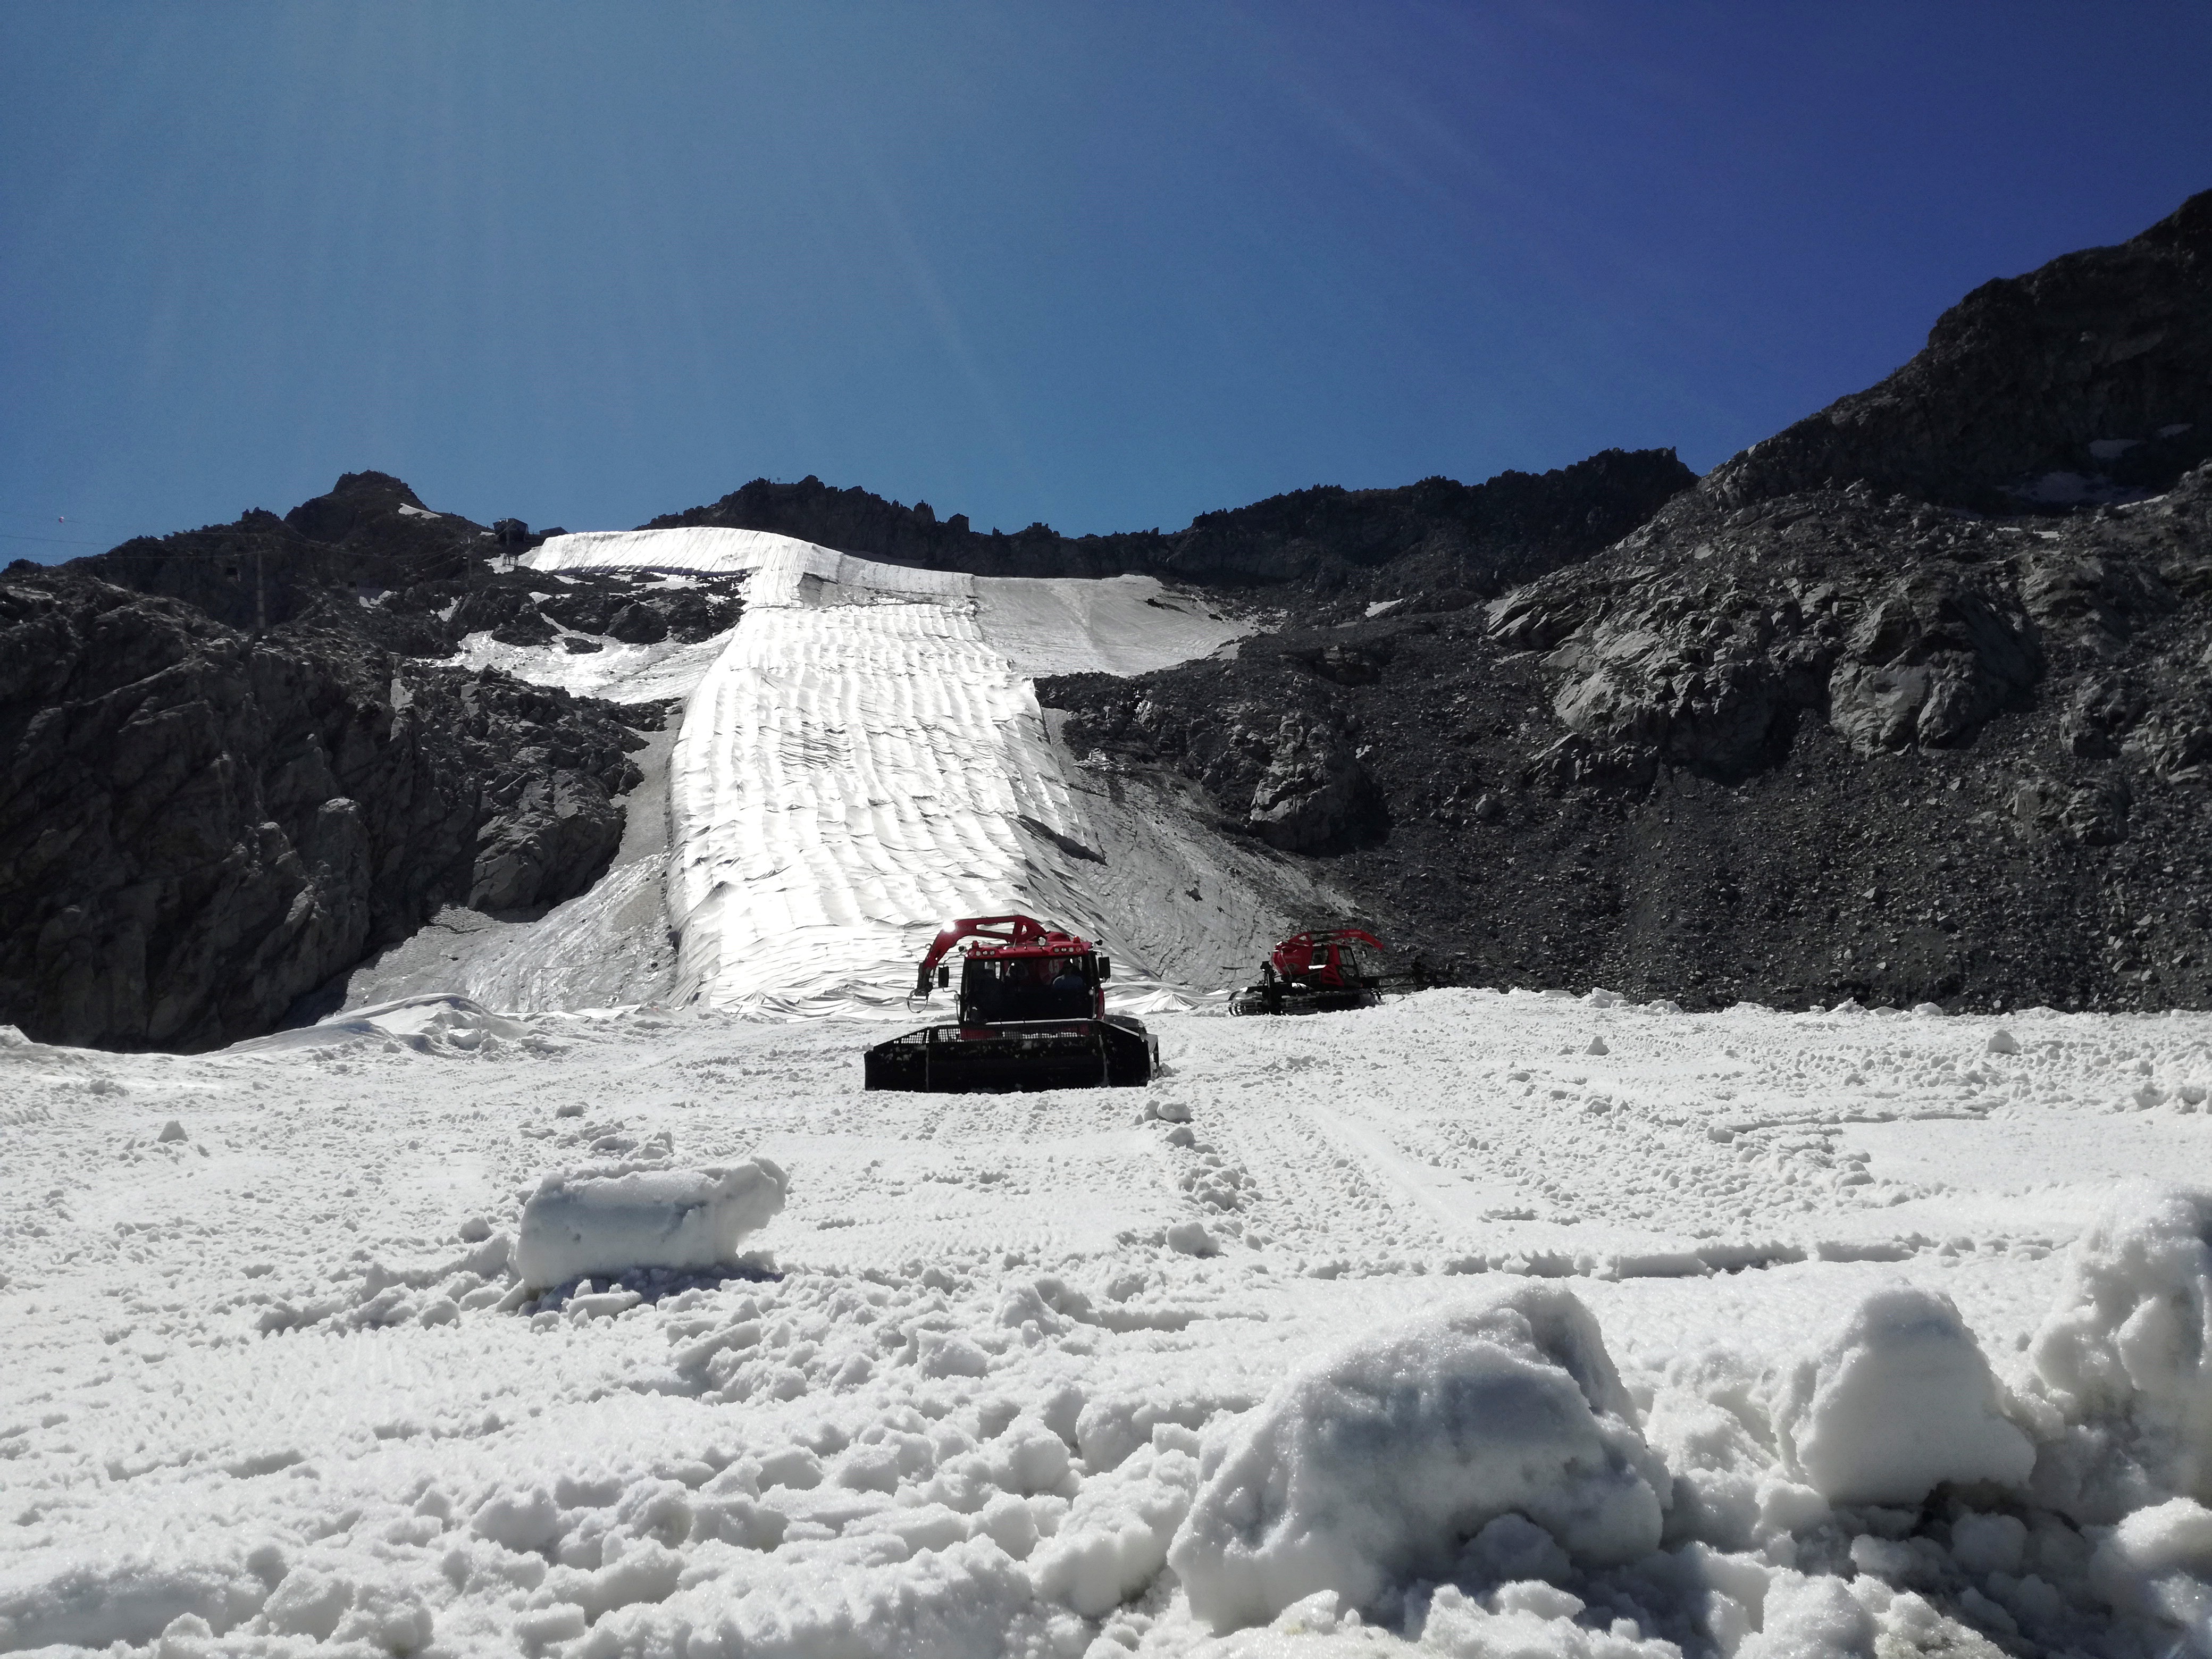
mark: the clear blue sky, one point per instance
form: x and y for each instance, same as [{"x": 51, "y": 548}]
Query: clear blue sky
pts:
[{"x": 1105, "y": 265}]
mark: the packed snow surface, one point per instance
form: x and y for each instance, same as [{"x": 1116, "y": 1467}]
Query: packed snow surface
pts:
[{"x": 1490, "y": 1280}]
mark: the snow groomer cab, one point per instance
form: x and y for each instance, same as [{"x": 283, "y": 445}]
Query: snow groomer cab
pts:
[{"x": 1032, "y": 1015}]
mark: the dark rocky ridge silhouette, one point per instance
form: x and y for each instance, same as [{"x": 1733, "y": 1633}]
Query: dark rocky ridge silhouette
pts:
[
  {"x": 2093, "y": 371},
  {"x": 1818, "y": 730},
  {"x": 1437, "y": 535},
  {"x": 369, "y": 559}
]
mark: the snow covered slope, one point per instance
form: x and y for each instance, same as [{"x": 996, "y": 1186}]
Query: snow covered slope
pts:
[
  {"x": 865, "y": 758},
  {"x": 272, "y": 1379}
]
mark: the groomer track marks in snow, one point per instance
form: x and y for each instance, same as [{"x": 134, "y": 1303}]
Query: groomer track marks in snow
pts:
[{"x": 282, "y": 1340}]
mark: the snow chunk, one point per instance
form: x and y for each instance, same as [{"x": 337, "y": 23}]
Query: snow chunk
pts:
[
  {"x": 1989, "y": 1543},
  {"x": 1377, "y": 1462},
  {"x": 2157, "y": 1560},
  {"x": 521, "y": 1521},
  {"x": 589, "y": 1222},
  {"x": 1114, "y": 1537},
  {"x": 1898, "y": 1399},
  {"x": 1191, "y": 1238},
  {"x": 1527, "y": 1621},
  {"x": 2120, "y": 1358},
  {"x": 96, "y": 1603}
]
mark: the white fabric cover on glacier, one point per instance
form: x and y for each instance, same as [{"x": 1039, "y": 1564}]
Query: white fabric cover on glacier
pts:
[
  {"x": 1898, "y": 1400},
  {"x": 866, "y": 759},
  {"x": 590, "y": 1223},
  {"x": 1376, "y": 1462}
]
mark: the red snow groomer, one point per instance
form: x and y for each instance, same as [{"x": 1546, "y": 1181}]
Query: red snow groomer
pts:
[
  {"x": 1032, "y": 1015},
  {"x": 1317, "y": 972}
]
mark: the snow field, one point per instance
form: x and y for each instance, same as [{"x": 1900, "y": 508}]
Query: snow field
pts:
[{"x": 278, "y": 1380}]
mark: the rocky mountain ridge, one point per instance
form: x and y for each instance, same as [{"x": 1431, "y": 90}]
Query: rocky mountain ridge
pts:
[
  {"x": 2086, "y": 380},
  {"x": 236, "y": 762},
  {"x": 1879, "y": 708},
  {"x": 198, "y": 827},
  {"x": 1805, "y": 735},
  {"x": 1439, "y": 536}
]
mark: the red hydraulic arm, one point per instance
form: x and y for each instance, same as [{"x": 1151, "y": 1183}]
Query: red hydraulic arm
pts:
[{"x": 995, "y": 930}]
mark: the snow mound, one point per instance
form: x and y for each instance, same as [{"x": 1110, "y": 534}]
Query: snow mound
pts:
[
  {"x": 1378, "y": 1462},
  {"x": 1534, "y": 1620},
  {"x": 1898, "y": 1401},
  {"x": 2158, "y": 1563},
  {"x": 592, "y": 1222},
  {"x": 2124, "y": 1360},
  {"x": 1116, "y": 1535},
  {"x": 438, "y": 1023}
]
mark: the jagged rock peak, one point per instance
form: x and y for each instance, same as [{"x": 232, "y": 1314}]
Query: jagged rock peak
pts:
[
  {"x": 2086, "y": 382},
  {"x": 354, "y": 500},
  {"x": 1438, "y": 533}
]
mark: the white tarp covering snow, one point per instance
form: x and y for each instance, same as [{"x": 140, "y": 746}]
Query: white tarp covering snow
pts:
[{"x": 866, "y": 760}]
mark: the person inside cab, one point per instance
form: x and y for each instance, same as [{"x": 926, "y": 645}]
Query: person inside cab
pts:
[{"x": 1071, "y": 991}]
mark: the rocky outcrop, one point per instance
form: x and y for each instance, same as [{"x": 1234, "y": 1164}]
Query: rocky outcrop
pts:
[
  {"x": 1707, "y": 634},
  {"x": 1865, "y": 714},
  {"x": 2089, "y": 380},
  {"x": 369, "y": 560},
  {"x": 1832, "y": 745},
  {"x": 1283, "y": 768},
  {"x": 198, "y": 828},
  {"x": 1439, "y": 539}
]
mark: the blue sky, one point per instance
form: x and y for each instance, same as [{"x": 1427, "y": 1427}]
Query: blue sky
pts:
[{"x": 1104, "y": 266}]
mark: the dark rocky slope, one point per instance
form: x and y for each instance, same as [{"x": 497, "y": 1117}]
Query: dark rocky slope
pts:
[
  {"x": 197, "y": 827},
  {"x": 1436, "y": 536},
  {"x": 203, "y": 819},
  {"x": 1833, "y": 746},
  {"x": 1788, "y": 744}
]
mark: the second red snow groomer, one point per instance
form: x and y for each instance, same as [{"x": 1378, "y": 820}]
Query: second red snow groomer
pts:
[
  {"x": 1317, "y": 972},
  {"x": 1032, "y": 1015}
]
